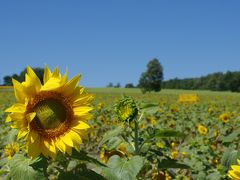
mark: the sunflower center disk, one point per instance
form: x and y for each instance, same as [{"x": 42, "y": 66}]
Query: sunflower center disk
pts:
[{"x": 50, "y": 113}]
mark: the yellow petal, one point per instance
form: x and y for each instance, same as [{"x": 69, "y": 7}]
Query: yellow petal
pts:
[
  {"x": 33, "y": 136},
  {"x": 69, "y": 87},
  {"x": 47, "y": 74},
  {"x": 29, "y": 86},
  {"x": 34, "y": 149},
  {"x": 8, "y": 119},
  {"x": 18, "y": 107},
  {"x": 81, "y": 110},
  {"x": 69, "y": 150},
  {"x": 64, "y": 78},
  {"x": 56, "y": 73},
  {"x": 30, "y": 116},
  {"x": 67, "y": 139},
  {"x": 84, "y": 117},
  {"x": 34, "y": 78},
  {"x": 236, "y": 168},
  {"x": 18, "y": 90},
  {"x": 51, "y": 84},
  {"x": 80, "y": 125},
  {"x": 76, "y": 93},
  {"x": 45, "y": 148},
  {"x": 60, "y": 145},
  {"x": 22, "y": 133},
  {"x": 233, "y": 175},
  {"x": 75, "y": 137},
  {"x": 84, "y": 99},
  {"x": 46, "y": 143},
  {"x": 77, "y": 147},
  {"x": 52, "y": 147},
  {"x": 17, "y": 116}
]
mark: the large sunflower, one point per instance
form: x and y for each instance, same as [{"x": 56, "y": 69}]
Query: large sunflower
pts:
[{"x": 51, "y": 117}]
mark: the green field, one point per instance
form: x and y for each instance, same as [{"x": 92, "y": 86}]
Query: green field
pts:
[
  {"x": 205, "y": 152},
  {"x": 108, "y": 95}
]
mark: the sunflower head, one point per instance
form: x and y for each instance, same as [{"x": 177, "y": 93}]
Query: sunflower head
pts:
[
  {"x": 174, "y": 154},
  {"x": 50, "y": 116},
  {"x": 202, "y": 129},
  {"x": 126, "y": 109},
  {"x": 106, "y": 154},
  {"x": 11, "y": 149},
  {"x": 234, "y": 173},
  {"x": 224, "y": 117}
]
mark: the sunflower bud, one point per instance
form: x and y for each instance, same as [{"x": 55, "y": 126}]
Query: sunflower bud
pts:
[{"x": 126, "y": 109}]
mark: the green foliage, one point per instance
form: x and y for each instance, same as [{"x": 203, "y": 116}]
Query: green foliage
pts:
[
  {"x": 171, "y": 163},
  {"x": 175, "y": 124},
  {"x": 167, "y": 133},
  {"x": 147, "y": 105},
  {"x": 231, "y": 137},
  {"x": 217, "y": 82},
  {"x": 80, "y": 172},
  {"x": 129, "y": 85},
  {"x": 230, "y": 157},
  {"x": 111, "y": 134},
  {"x": 25, "y": 168},
  {"x": 83, "y": 156},
  {"x": 7, "y": 80},
  {"x": 123, "y": 169},
  {"x": 151, "y": 80}
]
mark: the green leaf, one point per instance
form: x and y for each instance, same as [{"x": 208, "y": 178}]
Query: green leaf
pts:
[
  {"x": 110, "y": 134},
  {"x": 22, "y": 167},
  {"x": 40, "y": 164},
  {"x": 84, "y": 157},
  {"x": 11, "y": 136},
  {"x": 113, "y": 143},
  {"x": 230, "y": 157},
  {"x": 83, "y": 175},
  {"x": 90, "y": 174},
  {"x": 72, "y": 164},
  {"x": 214, "y": 175},
  {"x": 171, "y": 163},
  {"x": 167, "y": 133},
  {"x": 231, "y": 137},
  {"x": 123, "y": 169},
  {"x": 148, "y": 105}
]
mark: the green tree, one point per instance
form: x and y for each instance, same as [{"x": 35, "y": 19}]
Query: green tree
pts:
[
  {"x": 151, "y": 80},
  {"x": 129, "y": 85},
  {"x": 110, "y": 85},
  {"x": 7, "y": 80}
]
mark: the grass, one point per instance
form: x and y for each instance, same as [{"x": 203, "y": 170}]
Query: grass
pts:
[{"x": 109, "y": 95}]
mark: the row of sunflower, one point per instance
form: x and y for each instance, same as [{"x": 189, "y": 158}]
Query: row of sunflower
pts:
[{"x": 56, "y": 131}]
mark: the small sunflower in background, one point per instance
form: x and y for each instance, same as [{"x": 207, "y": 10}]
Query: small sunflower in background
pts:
[
  {"x": 11, "y": 149},
  {"x": 106, "y": 154},
  {"x": 202, "y": 129},
  {"x": 234, "y": 173},
  {"x": 50, "y": 117},
  {"x": 126, "y": 109},
  {"x": 224, "y": 117}
]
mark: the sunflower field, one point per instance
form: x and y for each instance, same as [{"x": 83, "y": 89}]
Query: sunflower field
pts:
[{"x": 59, "y": 130}]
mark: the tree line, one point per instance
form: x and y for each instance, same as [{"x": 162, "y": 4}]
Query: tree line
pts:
[
  {"x": 229, "y": 81},
  {"x": 152, "y": 80}
]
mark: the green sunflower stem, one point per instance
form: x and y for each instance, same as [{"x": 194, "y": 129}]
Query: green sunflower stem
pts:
[{"x": 136, "y": 139}]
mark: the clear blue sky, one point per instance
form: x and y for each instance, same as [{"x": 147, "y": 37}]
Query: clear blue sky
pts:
[{"x": 113, "y": 40}]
